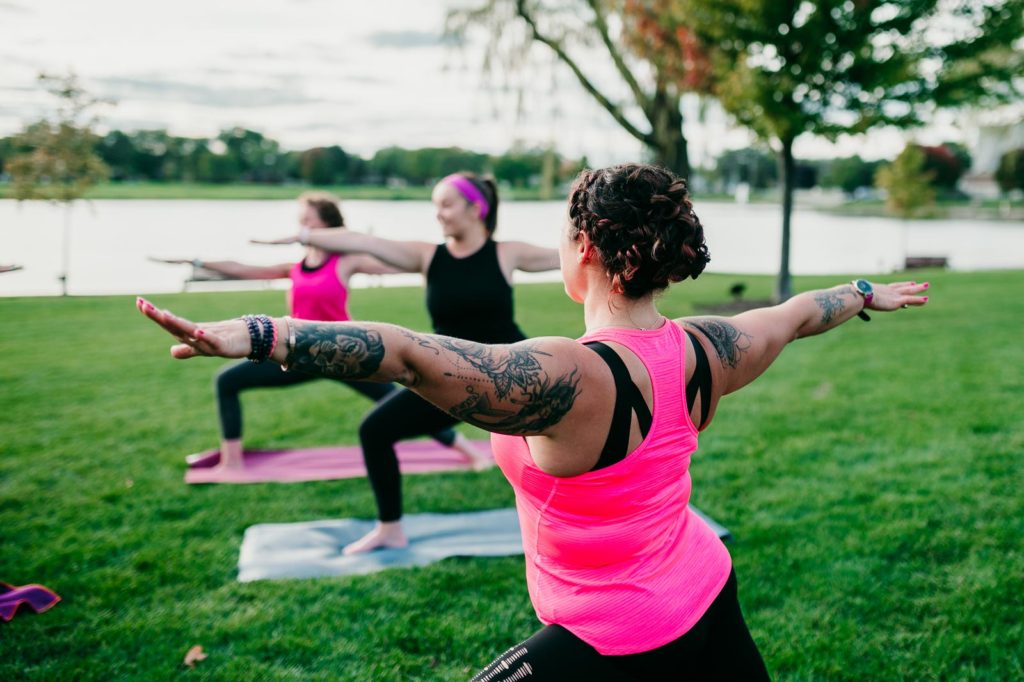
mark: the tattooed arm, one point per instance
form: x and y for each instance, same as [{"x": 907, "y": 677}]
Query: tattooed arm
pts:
[
  {"x": 742, "y": 347},
  {"x": 539, "y": 387}
]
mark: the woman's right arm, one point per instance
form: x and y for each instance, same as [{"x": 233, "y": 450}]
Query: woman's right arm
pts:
[
  {"x": 528, "y": 388},
  {"x": 405, "y": 256}
]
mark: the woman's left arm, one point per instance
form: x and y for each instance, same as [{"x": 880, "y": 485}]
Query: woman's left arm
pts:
[
  {"x": 529, "y": 257},
  {"x": 748, "y": 343}
]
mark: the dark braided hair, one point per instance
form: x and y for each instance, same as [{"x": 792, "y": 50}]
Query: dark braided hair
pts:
[{"x": 641, "y": 221}]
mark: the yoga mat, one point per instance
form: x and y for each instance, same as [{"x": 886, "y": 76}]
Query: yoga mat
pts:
[
  {"x": 37, "y": 597},
  {"x": 273, "y": 551},
  {"x": 325, "y": 463}
]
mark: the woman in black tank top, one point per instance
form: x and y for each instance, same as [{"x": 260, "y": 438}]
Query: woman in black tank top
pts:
[{"x": 468, "y": 296}]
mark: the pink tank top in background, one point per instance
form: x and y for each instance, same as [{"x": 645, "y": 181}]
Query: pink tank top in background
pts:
[
  {"x": 615, "y": 555},
  {"x": 318, "y": 294}
]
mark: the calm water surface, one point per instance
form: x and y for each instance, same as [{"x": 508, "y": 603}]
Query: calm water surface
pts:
[{"x": 110, "y": 240}]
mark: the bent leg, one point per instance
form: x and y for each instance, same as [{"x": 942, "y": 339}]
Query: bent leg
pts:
[
  {"x": 400, "y": 416},
  {"x": 552, "y": 653},
  {"x": 240, "y": 376},
  {"x": 377, "y": 392},
  {"x": 229, "y": 383}
]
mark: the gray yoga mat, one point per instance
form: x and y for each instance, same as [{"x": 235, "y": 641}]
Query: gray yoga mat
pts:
[{"x": 312, "y": 549}]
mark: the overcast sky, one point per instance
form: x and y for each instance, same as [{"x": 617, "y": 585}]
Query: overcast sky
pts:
[{"x": 358, "y": 73}]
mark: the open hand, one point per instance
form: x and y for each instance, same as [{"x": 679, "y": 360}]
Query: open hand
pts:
[
  {"x": 898, "y": 295},
  {"x": 226, "y": 339}
]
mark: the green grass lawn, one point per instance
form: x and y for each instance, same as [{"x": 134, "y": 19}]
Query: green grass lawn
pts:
[{"x": 872, "y": 480}]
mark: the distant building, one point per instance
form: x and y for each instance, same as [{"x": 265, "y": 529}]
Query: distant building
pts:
[{"x": 989, "y": 135}]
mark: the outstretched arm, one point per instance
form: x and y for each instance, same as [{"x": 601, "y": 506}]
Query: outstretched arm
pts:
[
  {"x": 529, "y": 257},
  {"x": 526, "y": 388},
  {"x": 405, "y": 256},
  {"x": 233, "y": 268},
  {"x": 742, "y": 347}
]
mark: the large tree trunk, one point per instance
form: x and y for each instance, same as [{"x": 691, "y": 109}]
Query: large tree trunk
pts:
[
  {"x": 667, "y": 141},
  {"x": 784, "y": 285}
]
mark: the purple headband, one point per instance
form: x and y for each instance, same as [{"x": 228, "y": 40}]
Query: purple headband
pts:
[{"x": 470, "y": 192}]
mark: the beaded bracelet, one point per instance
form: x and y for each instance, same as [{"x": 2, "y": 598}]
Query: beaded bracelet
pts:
[
  {"x": 268, "y": 337},
  {"x": 254, "y": 336},
  {"x": 262, "y": 337}
]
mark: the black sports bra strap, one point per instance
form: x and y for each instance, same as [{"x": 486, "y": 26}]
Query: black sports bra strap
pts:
[
  {"x": 701, "y": 381},
  {"x": 628, "y": 399}
]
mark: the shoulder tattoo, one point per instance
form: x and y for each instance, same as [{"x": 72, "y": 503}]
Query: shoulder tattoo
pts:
[{"x": 729, "y": 342}]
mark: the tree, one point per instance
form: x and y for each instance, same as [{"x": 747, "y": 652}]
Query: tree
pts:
[
  {"x": 908, "y": 183},
  {"x": 944, "y": 165},
  {"x": 57, "y": 159},
  {"x": 655, "y": 65},
  {"x": 827, "y": 67},
  {"x": 1010, "y": 174},
  {"x": 849, "y": 174}
]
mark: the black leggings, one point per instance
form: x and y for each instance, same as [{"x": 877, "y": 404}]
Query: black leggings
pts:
[
  {"x": 718, "y": 647},
  {"x": 240, "y": 376},
  {"x": 400, "y": 416}
]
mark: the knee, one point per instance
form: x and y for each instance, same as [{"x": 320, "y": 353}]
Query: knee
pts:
[
  {"x": 375, "y": 431},
  {"x": 223, "y": 383}
]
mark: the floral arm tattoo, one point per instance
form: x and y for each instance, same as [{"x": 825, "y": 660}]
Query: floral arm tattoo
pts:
[
  {"x": 729, "y": 342},
  {"x": 831, "y": 303},
  {"x": 507, "y": 389},
  {"x": 338, "y": 352}
]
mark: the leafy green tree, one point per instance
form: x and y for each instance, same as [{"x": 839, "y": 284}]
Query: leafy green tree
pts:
[
  {"x": 1010, "y": 174},
  {"x": 255, "y": 156},
  {"x": 654, "y": 66},
  {"x": 58, "y": 160},
  {"x": 752, "y": 166},
  {"x": 907, "y": 182},
  {"x": 828, "y": 67},
  {"x": 849, "y": 174}
]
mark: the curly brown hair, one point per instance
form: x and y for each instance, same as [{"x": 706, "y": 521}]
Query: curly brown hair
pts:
[{"x": 641, "y": 221}]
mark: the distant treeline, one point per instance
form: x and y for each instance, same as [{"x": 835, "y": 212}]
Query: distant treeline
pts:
[{"x": 239, "y": 155}]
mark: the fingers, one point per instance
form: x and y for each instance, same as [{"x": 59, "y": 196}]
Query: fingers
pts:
[
  {"x": 183, "y": 351},
  {"x": 188, "y": 333}
]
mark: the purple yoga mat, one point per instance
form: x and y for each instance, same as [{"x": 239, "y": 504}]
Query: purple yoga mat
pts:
[
  {"x": 36, "y": 596},
  {"x": 325, "y": 463}
]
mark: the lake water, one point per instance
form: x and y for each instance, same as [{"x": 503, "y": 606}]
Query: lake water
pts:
[{"x": 110, "y": 240}]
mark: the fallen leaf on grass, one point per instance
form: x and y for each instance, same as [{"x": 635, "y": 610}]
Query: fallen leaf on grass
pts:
[{"x": 194, "y": 655}]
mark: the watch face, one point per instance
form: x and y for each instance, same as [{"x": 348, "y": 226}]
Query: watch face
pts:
[{"x": 864, "y": 286}]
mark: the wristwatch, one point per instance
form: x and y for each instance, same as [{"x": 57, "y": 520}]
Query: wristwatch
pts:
[{"x": 864, "y": 288}]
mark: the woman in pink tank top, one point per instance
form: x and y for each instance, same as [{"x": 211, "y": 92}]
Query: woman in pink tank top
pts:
[
  {"x": 319, "y": 291},
  {"x": 595, "y": 435}
]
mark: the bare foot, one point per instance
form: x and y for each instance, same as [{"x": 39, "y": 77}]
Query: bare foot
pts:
[
  {"x": 231, "y": 458},
  {"x": 387, "y": 535},
  {"x": 479, "y": 461}
]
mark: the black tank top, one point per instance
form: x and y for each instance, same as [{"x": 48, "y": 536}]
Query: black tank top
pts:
[{"x": 469, "y": 298}]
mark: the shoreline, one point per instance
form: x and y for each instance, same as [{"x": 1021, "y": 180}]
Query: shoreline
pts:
[{"x": 1000, "y": 210}]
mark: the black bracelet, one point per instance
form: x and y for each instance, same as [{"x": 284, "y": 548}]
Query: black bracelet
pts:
[
  {"x": 261, "y": 333},
  {"x": 268, "y": 338},
  {"x": 254, "y": 336}
]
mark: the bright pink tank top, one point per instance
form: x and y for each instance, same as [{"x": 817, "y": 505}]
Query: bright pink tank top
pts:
[
  {"x": 615, "y": 555},
  {"x": 318, "y": 294}
]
